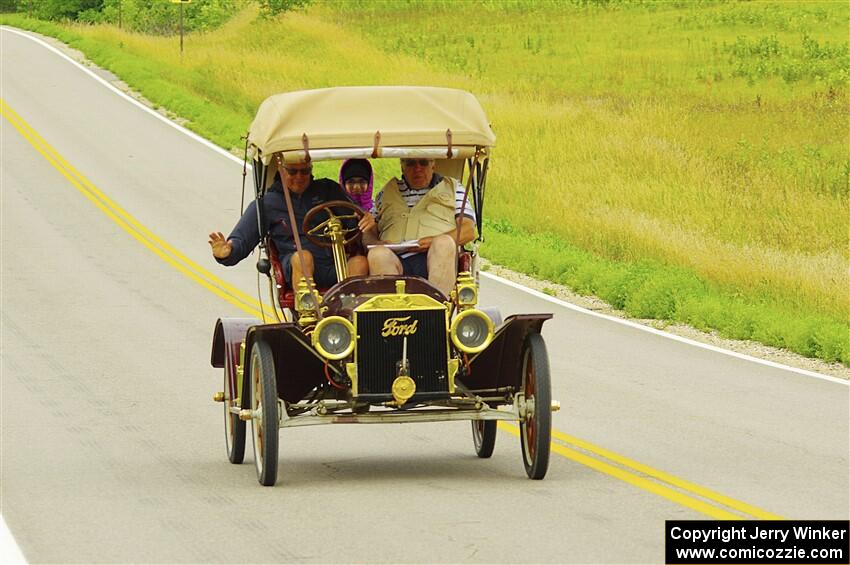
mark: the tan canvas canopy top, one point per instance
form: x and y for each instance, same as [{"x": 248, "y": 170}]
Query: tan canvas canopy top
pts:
[{"x": 370, "y": 121}]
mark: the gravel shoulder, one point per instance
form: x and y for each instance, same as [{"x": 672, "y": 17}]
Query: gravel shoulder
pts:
[
  {"x": 746, "y": 347},
  {"x": 561, "y": 292}
]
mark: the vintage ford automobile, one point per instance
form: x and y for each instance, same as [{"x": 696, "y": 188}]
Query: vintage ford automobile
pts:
[{"x": 378, "y": 349}]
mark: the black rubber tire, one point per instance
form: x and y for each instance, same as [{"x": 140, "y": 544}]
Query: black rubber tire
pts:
[
  {"x": 234, "y": 427},
  {"x": 536, "y": 430},
  {"x": 484, "y": 437},
  {"x": 264, "y": 430}
]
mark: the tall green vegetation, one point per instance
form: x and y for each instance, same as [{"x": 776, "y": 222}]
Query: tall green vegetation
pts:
[
  {"x": 161, "y": 17},
  {"x": 54, "y": 9},
  {"x": 157, "y": 17},
  {"x": 270, "y": 8},
  {"x": 683, "y": 160}
]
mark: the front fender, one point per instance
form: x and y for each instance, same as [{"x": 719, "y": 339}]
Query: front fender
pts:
[
  {"x": 298, "y": 367},
  {"x": 228, "y": 336},
  {"x": 500, "y": 365}
]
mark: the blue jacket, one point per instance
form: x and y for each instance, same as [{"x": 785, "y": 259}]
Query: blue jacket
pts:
[{"x": 245, "y": 236}]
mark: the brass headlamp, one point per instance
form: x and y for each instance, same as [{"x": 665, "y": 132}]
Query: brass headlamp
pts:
[
  {"x": 472, "y": 331},
  {"x": 333, "y": 337},
  {"x": 466, "y": 291},
  {"x": 305, "y": 302}
]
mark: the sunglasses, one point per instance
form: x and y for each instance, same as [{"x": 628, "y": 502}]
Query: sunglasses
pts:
[
  {"x": 414, "y": 162},
  {"x": 293, "y": 172}
]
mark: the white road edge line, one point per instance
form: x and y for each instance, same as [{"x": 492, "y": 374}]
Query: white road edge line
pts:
[
  {"x": 9, "y": 551},
  {"x": 662, "y": 333},
  {"x": 124, "y": 95},
  {"x": 533, "y": 292}
]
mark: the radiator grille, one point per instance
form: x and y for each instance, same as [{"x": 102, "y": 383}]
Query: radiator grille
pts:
[{"x": 377, "y": 356}]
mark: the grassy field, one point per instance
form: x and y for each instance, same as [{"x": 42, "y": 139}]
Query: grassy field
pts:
[{"x": 685, "y": 161}]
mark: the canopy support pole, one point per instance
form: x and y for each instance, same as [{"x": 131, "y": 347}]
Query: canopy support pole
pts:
[{"x": 294, "y": 226}]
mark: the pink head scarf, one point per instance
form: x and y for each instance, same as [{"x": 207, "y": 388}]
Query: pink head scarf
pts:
[{"x": 364, "y": 199}]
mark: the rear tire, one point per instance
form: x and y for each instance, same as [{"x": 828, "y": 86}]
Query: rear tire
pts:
[
  {"x": 536, "y": 429},
  {"x": 484, "y": 437},
  {"x": 264, "y": 425},
  {"x": 234, "y": 427}
]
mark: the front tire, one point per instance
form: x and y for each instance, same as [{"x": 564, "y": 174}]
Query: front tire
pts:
[
  {"x": 484, "y": 437},
  {"x": 264, "y": 424},
  {"x": 536, "y": 429}
]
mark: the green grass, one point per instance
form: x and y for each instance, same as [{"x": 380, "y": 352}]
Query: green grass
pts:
[
  {"x": 712, "y": 136},
  {"x": 683, "y": 160},
  {"x": 648, "y": 289}
]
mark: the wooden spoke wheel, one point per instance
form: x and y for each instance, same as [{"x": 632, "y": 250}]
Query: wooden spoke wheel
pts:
[
  {"x": 536, "y": 427},
  {"x": 484, "y": 437},
  {"x": 234, "y": 428},
  {"x": 264, "y": 424}
]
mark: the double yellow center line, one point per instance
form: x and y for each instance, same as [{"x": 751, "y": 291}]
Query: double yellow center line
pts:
[
  {"x": 132, "y": 226},
  {"x": 695, "y": 497},
  {"x": 642, "y": 476}
]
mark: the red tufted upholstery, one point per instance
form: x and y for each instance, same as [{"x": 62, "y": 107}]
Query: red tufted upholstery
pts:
[
  {"x": 286, "y": 296},
  {"x": 464, "y": 261}
]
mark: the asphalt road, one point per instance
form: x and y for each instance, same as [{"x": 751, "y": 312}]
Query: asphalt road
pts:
[{"x": 112, "y": 450}]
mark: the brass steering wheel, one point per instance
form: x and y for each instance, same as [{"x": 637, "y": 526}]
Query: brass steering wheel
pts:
[{"x": 324, "y": 233}]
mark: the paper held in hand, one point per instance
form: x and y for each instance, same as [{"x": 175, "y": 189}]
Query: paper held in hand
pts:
[{"x": 400, "y": 247}]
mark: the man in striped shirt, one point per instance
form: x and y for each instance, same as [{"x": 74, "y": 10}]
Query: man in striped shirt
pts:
[{"x": 423, "y": 208}]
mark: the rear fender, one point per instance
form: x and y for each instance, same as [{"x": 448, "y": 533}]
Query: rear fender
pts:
[{"x": 227, "y": 338}]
